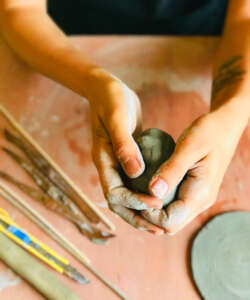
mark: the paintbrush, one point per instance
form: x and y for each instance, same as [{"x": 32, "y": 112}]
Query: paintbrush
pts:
[
  {"x": 38, "y": 249},
  {"x": 28, "y": 211}
]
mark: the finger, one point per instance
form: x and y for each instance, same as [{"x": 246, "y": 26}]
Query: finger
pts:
[
  {"x": 112, "y": 183},
  {"x": 134, "y": 219},
  {"x": 123, "y": 196},
  {"x": 156, "y": 216},
  {"x": 127, "y": 151},
  {"x": 170, "y": 174},
  {"x": 125, "y": 148},
  {"x": 194, "y": 197},
  {"x": 114, "y": 189}
]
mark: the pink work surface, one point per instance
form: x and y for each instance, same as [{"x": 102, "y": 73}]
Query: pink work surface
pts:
[{"x": 172, "y": 77}]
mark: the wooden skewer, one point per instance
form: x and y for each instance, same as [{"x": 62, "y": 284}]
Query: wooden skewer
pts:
[
  {"x": 8, "y": 194},
  {"x": 77, "y": 190},
  {"x": 27, "y": 210}
]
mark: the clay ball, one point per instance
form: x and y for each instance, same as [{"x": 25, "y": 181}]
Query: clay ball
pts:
[{"x": 156, "y": 147}]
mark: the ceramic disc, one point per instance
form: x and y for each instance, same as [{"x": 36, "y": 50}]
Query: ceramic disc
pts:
[{"x": 220, "y": 257}]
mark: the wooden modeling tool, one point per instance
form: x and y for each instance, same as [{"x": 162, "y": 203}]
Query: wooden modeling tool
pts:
[
  {"x": 81, "y": 197},
  {"x": 27, "y": 267},
  {"x": 8, "y": 194},
  {"x": 38, "y": 249}
]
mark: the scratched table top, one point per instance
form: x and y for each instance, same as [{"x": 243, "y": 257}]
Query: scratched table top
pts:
[{"x": 173, "y": 74}]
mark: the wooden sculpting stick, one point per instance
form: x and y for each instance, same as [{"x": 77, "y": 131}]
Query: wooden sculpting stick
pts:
[
  {"x": 8, "y": 194},
  {"x": 33, "y": 271},
  {"x": 28, "y": 138}
]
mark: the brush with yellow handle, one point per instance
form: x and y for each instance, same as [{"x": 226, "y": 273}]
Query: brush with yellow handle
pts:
[{"x": 38, "y": 249}]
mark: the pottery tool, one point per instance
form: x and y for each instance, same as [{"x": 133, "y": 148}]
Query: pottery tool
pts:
[
  {"x": 81, "y": 197},
  {"x": 53, "y": 198},
  {"x": 38, "y": 249},
  {"x": 27, "y": 267},
  {"x": 28, "y": 211}
]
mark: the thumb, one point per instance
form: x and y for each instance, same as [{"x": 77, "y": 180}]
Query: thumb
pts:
[
  {"x": 170, "y": 174},
  {"x": 127, "y": 151}
]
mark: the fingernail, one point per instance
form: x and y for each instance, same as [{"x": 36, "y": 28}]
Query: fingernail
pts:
[
  {"x": 158, "y": 232},
  {"x": 132, "y": 167},
  {"x": 159, "y": 188},
  {"x": 142, "y": 228},
  {"x": 171, "y": 233}
]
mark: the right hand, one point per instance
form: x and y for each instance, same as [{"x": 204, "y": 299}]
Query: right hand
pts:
[{"x": 116, "y": 118}]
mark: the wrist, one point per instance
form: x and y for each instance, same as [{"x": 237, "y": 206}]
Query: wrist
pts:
[
  {"x": 80, "y": 74},
  {"x": 99, "y": 83},
  {"x": 233, "y": 114}
]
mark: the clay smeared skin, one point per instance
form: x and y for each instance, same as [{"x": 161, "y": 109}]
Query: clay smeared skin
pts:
[{"x": 156, "y": 147}]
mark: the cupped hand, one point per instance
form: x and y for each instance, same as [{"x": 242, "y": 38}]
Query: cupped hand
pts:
[
  {"x": 202, "y": 155},
  {"x": 116, "y": 118}
]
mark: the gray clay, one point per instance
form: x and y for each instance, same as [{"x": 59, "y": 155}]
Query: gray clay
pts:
[
  {"x": 156, "y": 147},
  {"x": 220, "y": 257}
]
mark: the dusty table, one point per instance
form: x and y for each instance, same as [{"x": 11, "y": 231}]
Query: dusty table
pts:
[{"x": 173, "y": 74}]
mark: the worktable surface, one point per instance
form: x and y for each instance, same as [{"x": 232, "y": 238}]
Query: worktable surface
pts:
[{"x": 172, "y": 77}]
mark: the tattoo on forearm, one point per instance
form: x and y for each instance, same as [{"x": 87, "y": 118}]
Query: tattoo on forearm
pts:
[{"x": 229, "y": 73}]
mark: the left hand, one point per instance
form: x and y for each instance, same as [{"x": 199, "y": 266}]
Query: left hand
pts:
[{"x": 203, "y": 152}]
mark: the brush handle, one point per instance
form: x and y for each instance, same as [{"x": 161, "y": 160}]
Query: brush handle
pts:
[{"x": 32, "y": 271}]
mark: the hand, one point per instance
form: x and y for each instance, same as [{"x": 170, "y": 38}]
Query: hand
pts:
[
  {"x": 203, "y": 152},
  {"x": 116, "y": 117}
]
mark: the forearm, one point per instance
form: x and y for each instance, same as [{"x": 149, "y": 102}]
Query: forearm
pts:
[
  {"x": 231, "y": 76},
  {"x": 42, "y": 45}
]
